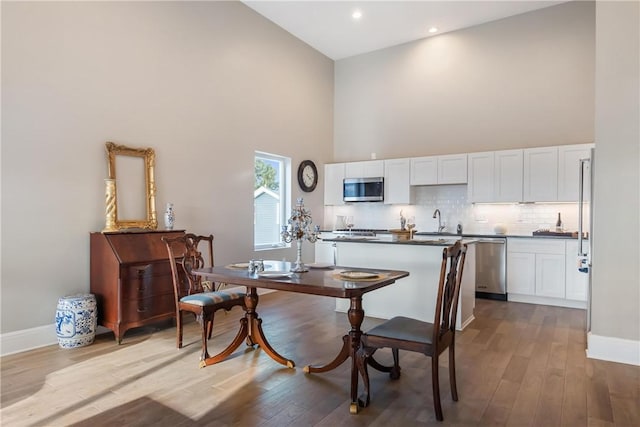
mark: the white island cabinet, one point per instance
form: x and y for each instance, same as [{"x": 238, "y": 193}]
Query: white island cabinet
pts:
[{"x": 413, "y": 296}]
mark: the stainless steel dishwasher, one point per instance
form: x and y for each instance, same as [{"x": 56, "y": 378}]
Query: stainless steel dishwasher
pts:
[{"x": 491, "y": 271}]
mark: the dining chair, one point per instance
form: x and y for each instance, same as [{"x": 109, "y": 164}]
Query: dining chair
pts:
[
  {"x": 430, "y": 339},
  {"x": 190, "y": 296}
]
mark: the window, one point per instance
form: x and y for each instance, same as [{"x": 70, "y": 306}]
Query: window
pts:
[{"x": 270, "y": 200}]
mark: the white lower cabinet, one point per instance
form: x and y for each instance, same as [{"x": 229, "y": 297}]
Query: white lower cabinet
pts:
[
  {"x": 521, "y": 273},
  {"x": 577, "y": 283},
  {"x": 541, "y": 271},
  {"x": 550, "y": 275}
]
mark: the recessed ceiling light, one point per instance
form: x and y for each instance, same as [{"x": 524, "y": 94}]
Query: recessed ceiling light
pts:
[
  {"x": 433, "y": 30},
  {"x": 357, "y": 14}
]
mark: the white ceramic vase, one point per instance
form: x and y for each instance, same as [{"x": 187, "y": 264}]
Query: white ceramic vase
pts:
[{"x": 169, "y": 217}]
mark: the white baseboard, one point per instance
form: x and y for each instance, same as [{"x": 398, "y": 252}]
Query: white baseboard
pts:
[
  {"x": 27, "y": 339},
  {"x": 42, "y": 336},
  {"x": 613, "y": 349},
  {"x": 556, "y": 302}
]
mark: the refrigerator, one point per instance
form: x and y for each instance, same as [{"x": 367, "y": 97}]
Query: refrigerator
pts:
[{"x": 585, "y": 211}]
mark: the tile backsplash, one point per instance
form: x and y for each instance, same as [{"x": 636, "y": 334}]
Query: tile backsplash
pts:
[{"x": 454, "y": 209}]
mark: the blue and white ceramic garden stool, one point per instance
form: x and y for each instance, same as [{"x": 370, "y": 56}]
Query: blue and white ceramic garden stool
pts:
[{"x": 76, "y": 320}]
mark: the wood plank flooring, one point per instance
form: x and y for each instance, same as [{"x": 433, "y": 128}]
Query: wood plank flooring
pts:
[{"x": 517, "y": 365}]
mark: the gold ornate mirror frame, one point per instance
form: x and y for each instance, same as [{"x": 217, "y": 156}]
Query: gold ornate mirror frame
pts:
[{"x": 149, "y": 158}]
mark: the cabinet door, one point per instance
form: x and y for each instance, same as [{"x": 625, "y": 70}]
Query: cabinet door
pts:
[
  {"x": 480, "y": 177},
  {"x": 365, "y": 169},
  {"x": 577, "y": 283},
  {"x": 508, "y": 176},
  {"x": 569, "y": 170},
  {"x": 397, "y": 176},
  {"x": 521, "y": 273},
  {"x": 325, "y": 252},
  {"x": 424, "y": 170},
  {"x": 333, "y": 177},
  {"x": 540, "y": 181},
  {"x": 550, "y": 275},
  {"x": 452, "y": 169}
]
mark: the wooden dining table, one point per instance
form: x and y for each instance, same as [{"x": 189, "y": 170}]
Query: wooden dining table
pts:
[{"x": 335, "y": 281}]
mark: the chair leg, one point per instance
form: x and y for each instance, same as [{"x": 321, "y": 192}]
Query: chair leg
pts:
[
  {"x": 362, "y": 357},
  {"x": 452, "y": 371},
  {"x": 435, "y": 384},
  {"x": 204, "y": 319},
  {"x": 395, "y": 371},
  {"x": 179, "y": 329},
  {"x": 210, "y": 327}
]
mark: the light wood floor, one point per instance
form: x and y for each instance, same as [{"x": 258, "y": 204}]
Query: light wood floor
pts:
[{"x": 517, "y": 364}]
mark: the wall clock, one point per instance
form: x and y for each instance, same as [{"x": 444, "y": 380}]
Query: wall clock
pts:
[{"x": 307, "y": 176}]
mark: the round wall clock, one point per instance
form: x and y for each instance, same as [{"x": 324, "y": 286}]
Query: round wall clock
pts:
[{"x": 307, "y": 176}]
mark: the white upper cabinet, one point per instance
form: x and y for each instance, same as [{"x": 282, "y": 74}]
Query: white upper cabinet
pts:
[
  {"x": 452, "y": 169},
  {"x": 540, "y": 180},
  {"x": 432, "y": 170},
  {"x": 424, "y": 170},
  {"x": 397, "y": 176},
  {"x": 480, "y": 173},
  {"x": 569, "y": 170},
  {"x": 508, "y": 176},
  {"x": 364, "y": 169},
  {"x": 333, "y": 177},
  {"x": 495, "y": 176}
]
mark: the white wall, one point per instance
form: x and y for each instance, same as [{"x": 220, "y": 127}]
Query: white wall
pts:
[
  {"x": 203, "y": 83},
  {"x": 525, "y": 81},
  {"x": 616, "y": 270}
]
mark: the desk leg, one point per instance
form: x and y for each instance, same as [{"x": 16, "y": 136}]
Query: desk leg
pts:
[
  {"x": 251, "y": 329},
  {"x": 350, "y": 345}
]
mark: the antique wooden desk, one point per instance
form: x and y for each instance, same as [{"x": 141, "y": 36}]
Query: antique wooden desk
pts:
[
  {"x": 316, "y": 282},
  {"x": 131, "y": 278}
]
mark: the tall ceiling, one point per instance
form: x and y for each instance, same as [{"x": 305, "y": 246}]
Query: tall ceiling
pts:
[{"x": 328, "y": 26}]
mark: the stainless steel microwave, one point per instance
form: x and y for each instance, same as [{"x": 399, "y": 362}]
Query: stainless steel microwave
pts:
[{"x": 363, "y": 189}]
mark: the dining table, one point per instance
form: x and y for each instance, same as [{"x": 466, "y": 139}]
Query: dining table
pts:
[{"x": 325, "y": 280}]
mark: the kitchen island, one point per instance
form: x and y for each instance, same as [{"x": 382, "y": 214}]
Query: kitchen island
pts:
[{"x": 415, "y": 295}]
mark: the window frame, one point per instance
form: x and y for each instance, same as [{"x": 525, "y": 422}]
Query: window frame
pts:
[{"x": 284, "y": 206}]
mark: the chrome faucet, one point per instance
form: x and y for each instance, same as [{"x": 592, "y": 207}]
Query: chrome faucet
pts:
[{"x": 436, "y": 214}]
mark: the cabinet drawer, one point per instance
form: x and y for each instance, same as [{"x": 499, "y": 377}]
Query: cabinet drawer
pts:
[
  {"x": 536, "y": 246},
  {"x": 145, "y": 287},
  {"x": 138, "y": 310},
  {"x": 146, "y": 270}
]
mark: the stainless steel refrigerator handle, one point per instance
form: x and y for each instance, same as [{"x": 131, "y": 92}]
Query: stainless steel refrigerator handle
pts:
[{"x": 581, "y": 205}]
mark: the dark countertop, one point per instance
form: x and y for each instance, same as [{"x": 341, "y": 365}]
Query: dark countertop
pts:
[
  {"x": 523, "y": 236},
  {"x": 434, "y": 242},
  {"x": 464, "y": 235}
]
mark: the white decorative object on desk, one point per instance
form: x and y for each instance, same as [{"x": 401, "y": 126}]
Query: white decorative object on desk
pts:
[
  {"x": 169, "y": 217},
  {"x": 299, "y": 229},
  {"x": 76, "y": 320}
]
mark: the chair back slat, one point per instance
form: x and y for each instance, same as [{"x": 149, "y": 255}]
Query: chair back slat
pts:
[
  {"x": 184, "y": 257},
  {"x": 451, "y": 270}
]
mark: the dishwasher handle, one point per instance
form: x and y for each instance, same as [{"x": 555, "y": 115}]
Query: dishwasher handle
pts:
[{"x": 497, "y": 240}]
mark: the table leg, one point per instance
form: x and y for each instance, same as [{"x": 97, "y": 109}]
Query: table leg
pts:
[
  {"x": 350, "y": 345},
  {"x": 251, "y": 329}
]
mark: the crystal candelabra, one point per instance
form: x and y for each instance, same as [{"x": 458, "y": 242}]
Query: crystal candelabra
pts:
[{"x": 299, "y": 229}]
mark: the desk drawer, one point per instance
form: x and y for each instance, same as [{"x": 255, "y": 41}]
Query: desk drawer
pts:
[
  {"x": 137, "y": 310},
  {"x": 146, "y": 270},
  {"x": 146, "y": 280}
]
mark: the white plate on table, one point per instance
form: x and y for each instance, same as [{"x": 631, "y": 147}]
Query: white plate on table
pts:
[
  {"x": 320, "y": 265},
  {"x": 275, "y": 274}
]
